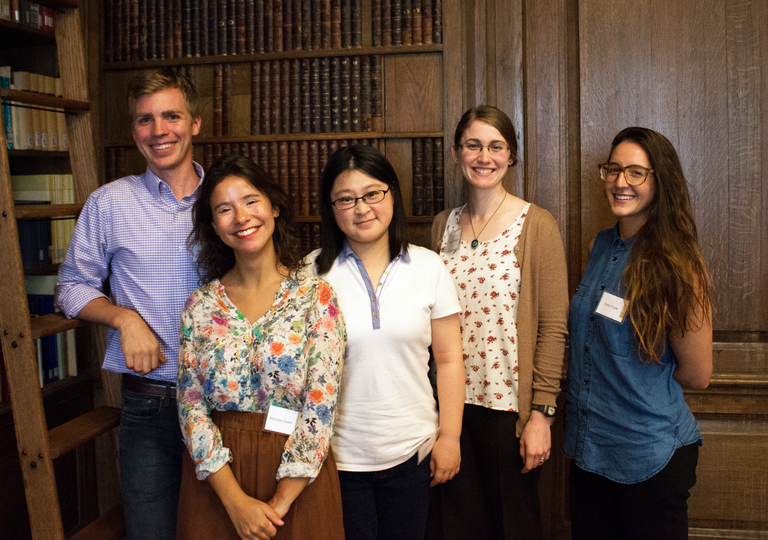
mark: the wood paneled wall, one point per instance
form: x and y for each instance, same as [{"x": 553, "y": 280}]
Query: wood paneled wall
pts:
[{"x": 573, "y": 73}]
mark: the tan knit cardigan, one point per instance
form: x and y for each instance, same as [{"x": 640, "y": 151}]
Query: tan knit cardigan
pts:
[{"x": 542, "y": 311}]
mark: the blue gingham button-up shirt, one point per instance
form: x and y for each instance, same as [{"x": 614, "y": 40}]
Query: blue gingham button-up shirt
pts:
[{"x": 134, "y": 231}]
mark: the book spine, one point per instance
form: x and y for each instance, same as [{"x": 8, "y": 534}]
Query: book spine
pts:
[
  {"x": 357, "y": 23},
  {"x": 294, "y": 189},
  {"x": 274, "y": 161},
  {"x": 250, "y": 26},
  {"x": 152, "y": 30},
  {"x": 314, "y": 178},
  {"x": 168, "y": 31},
  {"x": 295, "y": 96},
  {"x": 317, "y": 25},
  {"x": 306, "y": 103},
  {"x": 306, "y": 25},
  {"x": 177, "y": 29},
  {"x": 284, "y": 168},
  {"x": 297, "y": 21},
  {"x": 303, "y": 178},
  {"x": 365, "y": 93},
  {"x": 134, "y": 30},
  {"x": 221, "y": 32},
  {"x": 186, "y": 28},
  {"x": 376, "y": 23},
  {"x": 218, "y": 100},
  {"x": 232, "y": 26},
  {"x": 407, "y": 35},
  {"x": 346, "y": 24},
  {"x": 416, "y": 21},
  {"x": 314, "y": 240},
  {"x": 428, "y": 168},
  {"x": 160, "y": 29},
  {"x": 253, "y": 151},
  {"x": 274, "y": 102},
  {"x": 336, "y": 31},
  {"x": 426, "y": 21},
  {"x": 259, "y": 27},
  {"x": 207, "y": 156},
  {"x": 315, "y": 100},
  {"x": 377, "y": 119},
  {"x": 125, "y": 45},
  {"x": 202, "y": 15},
  {"x": 354, "y": 95},
  {"x": 325, "y": 95},
  {"x": 240, "y": 27},
  {"x": 437, "y": 21},
  {"x": 216, "y": 152},
  {"x": 143, "y": 30},
  {"x": 397, "y": 22},
  {"x": 287, "y": 25},
  {"x": 269, "y": 32},
  {"x": 417, "y": 182},
  {"x": 277, "y": 25},
  {"x": 109, "y": 30},
  {"x": 335, "y": 94},
  {"x": 256, "y": 98},
  {"x": 226, "y": 100},
  {"x": 386, "y": 22},
  {"x": 264, "y": 156},
  {"x": 285, "y": 96},
  {"x": 438, "y": 180},
  {"x": 346, "y": 88},
  {"x": 325, "y": 23}
]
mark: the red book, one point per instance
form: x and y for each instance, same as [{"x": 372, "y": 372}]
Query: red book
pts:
[
  {"x": 277, "y": 25},
  {"x": 240, "y": 27},
  {"x": 426, "y": 21},
  {"x": 336, "y": 16},
  {"x": 416, "y": 21},
  {"x": 354, "y": 95},
  {"x": 226, "y": 101},
  {"x": 406, "y": 22},
  {"x": 303, "y": 178},
  {"x": 335, "y": 94},
  {"x": 256, "y": 98},
  {"x": 294, "y": 189},
  {"x": 325, "y": 95},
  {"x": 218, "y": 100},
  {"x": 276, "y": 125},
  {"x": 365, "y": 93},
  {"x": 375, "y": 23}
]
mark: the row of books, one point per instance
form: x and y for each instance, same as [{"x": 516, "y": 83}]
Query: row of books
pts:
[
  {"x": 32, "y": 127},
  {"x": 311, "y": 95},
  {"x": 57, "y": 354},
  {"x": 43, "y": 241},
  {"x": 427, "y": 184},
  {"x": 156, "y": 29},
  {"x": 27, "y": 13}
]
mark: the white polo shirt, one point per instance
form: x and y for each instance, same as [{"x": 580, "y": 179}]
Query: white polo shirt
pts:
[{"x": 386, "y": 408}]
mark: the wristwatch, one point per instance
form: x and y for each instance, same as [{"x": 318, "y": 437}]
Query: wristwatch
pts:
[{"x": 547, "y": 410}]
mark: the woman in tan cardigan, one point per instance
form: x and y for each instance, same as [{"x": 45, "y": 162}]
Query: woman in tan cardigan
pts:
[{"x": 508, "y": 265}]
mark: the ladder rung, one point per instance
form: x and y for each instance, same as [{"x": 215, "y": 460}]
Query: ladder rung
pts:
[
  {"x": 44, "y": 100},
  {"x": 82, "y": 429},
  {"x": 109, "y": 526},
  {"x": 47, "y": 210},
  {"x": 53, "y": 323}
]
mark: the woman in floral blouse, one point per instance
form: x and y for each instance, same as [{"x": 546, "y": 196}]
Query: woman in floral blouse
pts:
[
  {"x": 258, "y": 338},
  {"x": 508, "y": 265}
]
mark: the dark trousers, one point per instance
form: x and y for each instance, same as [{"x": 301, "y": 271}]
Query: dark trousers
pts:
[
  {"x": 489, "y": 499},
  {"x": 656, "y": 509},
  {"x": 386, "y": 505},
  {"x": 151, "y": 448}
]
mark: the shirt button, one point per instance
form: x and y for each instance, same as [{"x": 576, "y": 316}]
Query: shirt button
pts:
[
  {"x": 586, "y": 382},
  {"x": 602, "y": 287},
  {"x": 592, "y": 318},
  {"x": 373, "y": 299},
  {"x": 375, "y": 314},
  {"x": 613, "y": 259},
  {"x": 586, "y": 349}
]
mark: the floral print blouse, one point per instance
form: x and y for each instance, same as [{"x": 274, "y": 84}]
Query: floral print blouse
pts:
[
  {"x": 290, "y": 357},
  {"x": 487, "y": 280}
]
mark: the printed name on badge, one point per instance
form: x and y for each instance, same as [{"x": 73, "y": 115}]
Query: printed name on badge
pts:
[
  {"x": 453, "y": 241},
  {"x": 611, "y": 307},
  {"x": 280, "y": 420}
]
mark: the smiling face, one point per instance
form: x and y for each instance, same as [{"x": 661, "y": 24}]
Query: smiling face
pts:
[
  {"x": 631, "y": 204},
  {"x": 163, "y": 130},
  {"x": 483, "y": 170},
  {"x": 364, "y": 223},
  {"x": 243, "y": 217}
]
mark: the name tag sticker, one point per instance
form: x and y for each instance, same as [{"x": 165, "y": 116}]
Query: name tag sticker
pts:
[
  {"x": 280, "y": 420},
  {"x": 611, "y": 307},
  {"x": 453, "y": 241}
]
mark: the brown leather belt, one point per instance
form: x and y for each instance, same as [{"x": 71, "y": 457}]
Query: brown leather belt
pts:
[{"x": 151, "y": 387}]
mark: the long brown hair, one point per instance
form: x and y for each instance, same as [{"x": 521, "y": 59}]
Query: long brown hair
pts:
[{"x": 666, "y": 279}]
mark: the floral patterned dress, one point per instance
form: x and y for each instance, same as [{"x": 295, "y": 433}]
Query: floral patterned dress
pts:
[
  {"x": 290, "y": 357},
  {"x": 487, "y": 280}
]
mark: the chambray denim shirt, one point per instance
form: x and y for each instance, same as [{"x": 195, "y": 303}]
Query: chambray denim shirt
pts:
[{"x": 624, "y": 418}]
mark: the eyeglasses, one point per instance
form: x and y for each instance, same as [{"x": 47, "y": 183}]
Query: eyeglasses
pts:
[
  {"x": 372, "y": 197},
  {"x": 495, "y": 148},
  {"x": 633, "y": 174}
]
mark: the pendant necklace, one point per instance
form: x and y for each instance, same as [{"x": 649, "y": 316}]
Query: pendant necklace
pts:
[{"x": 475, "y": 243}]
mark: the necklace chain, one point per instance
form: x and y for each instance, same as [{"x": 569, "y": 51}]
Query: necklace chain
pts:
[{"x": 475, "y": 242}]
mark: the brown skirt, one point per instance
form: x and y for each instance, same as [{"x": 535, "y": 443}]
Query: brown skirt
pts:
[{"x": 315, "y": 514}]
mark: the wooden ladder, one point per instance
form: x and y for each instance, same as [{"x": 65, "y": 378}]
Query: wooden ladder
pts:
[{"x": 36, "y": 444}]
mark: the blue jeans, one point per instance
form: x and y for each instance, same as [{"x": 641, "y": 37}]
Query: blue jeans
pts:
[
  {"x": 386, "y": 505},
  {"x": 151, "y": 448}
]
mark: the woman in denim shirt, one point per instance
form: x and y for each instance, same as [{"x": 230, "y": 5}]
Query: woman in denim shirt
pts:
[{"x": 641, "y": 331}]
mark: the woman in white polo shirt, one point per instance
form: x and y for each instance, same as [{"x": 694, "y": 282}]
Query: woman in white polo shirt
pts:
[{"x": 397, "y": 300}]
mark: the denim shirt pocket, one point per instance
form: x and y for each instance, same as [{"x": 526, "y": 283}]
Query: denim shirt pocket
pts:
[{"x": 616, "y": 337}]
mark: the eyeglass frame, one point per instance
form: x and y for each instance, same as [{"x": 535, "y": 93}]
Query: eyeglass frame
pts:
[
  {"x": 648, "y": 172},
  {"x": 355, "y": 199},
  {"x": 488, "y": 146}
]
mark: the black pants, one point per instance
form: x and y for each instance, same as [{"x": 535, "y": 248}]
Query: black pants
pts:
[
  {"x": 655, "y": 509},
  {"x": 489, "y": 499}
]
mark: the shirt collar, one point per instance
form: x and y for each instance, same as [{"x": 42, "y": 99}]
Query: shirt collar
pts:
[
  {"x": 153, "y": 182},
  {"x": 346, "y": 252},
  {"x": 628, "y": 243}
]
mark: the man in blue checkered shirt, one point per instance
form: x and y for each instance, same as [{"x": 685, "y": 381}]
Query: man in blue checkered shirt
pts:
[{"x": 133, "y": 231}]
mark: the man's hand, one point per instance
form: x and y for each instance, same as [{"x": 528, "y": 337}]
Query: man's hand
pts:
[{"x": 140, "y": 348}]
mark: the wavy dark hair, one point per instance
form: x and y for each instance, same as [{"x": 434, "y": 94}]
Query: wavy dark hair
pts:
[
  {"x": 493, "y": 117},
  {"x": 216, "y": 258},
  {"x": 370, "y": 161},
  {"x": 666, "y": 279}
]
